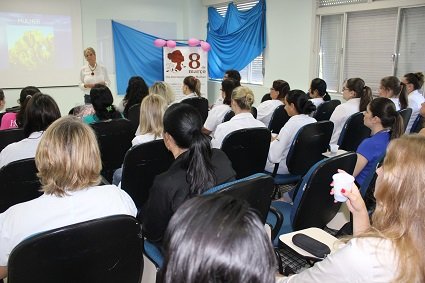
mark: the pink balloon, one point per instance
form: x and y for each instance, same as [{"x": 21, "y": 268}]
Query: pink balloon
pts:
[
  {"x": 159, "y": 42},
  {"x": 193, "y": 42},
  {"x": 205, "y": 46},
  {"x": 171, "y": 43}
]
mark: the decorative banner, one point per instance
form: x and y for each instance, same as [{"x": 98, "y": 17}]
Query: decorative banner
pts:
[{"x": 183, "y": 61}]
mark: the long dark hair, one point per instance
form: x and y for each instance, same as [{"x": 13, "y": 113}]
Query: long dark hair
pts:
[
  {"x": 211, "y": 239},
  {"x": 184, "y": 123},
  {"x": 321, "y": 86},
  {"x": 398, "y": 88},
  {"x": 193, "y": 84},
  {"x": 384, "y": 109},
  {"x": 25, "y": 96},
  {"x": 227, "y": 86},
  {"x": 362, "y": 91},
  {"x": 102, "y": 100},
  {"x": 301, "y": 101},
  {"x": 137, "y": 89}
]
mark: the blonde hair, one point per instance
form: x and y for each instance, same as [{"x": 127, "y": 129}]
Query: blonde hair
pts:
[
  {"x": 163, "y": 89},
  {"x": 400, "y": 209},
  {"x": 152, "y": 112},
  {"x": 244, "y": 97},
  {"x": 68, "y": 157},
  {"x": 89, "y": 49}
]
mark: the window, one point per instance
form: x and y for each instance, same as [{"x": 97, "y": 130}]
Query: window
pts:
[
  {"x": 253, "y": 73},
  {"x": 370, "y": 44}
]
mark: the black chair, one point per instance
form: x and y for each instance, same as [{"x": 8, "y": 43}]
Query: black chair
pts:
[
  {"x": 141, "y": 164},
  {"x": 254, "y": 112},
  {"x": 229, "y": 115},
  {"x": 19, "y": 183},
  {"x": 200, "y": 103},
  {"x": 405, "y": 114},
  {"x": 114, "y": 138},
  {"x": 278, "y": 119},
  {"x": 313, "y": 206},
  {"x": 107, "y": 249},
  {"x": 134, "y": 115},
  {"x": 307, "y": 148},
  {"x": 247, "y": 149},
  {"x": 353, "y": 132},
  {"x": 325, "y": 110},
  {"x": 10, "y": 136},
  {"x": 417, "y": 124}
]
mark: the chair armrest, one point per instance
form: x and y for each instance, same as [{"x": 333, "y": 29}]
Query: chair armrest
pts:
[{"x": 279, "y": 221}]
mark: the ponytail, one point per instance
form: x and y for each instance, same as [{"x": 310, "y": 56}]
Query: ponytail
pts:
[
  {"x": 365, "y": 98},
  {"x": 397, "y": 127},
  {"x": 301, "y": 101},
  {"x": 199, "y": 173},
  {"x": 193, "y": 84},
  {"x": 384, "y": 108},
  {"x": 402, "y": 97},
  {"x": 326, "y": 97}
]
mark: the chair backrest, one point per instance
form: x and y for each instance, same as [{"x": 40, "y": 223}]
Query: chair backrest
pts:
[
  {"x": 107, "y": 249},
  {"x": 9, "y": 136},
  {"x": 417, "y": 124},
  {"x": 256, "y": 189},
  {"x": 308, "y": 146},
  {"x": 19, "y": 183},
  {"x": 247, "y": 149},
  {"x": 114, "y": 138},
  {"x": 313, "y": 205},
  {"x": 325, "y": 110},
  {"x": 201, "y": 104},
  {"x": 278, "y": 119},
  {"x": 254, "y": 112},
  {"x": 405, "y": 114},
  {"x": 372, "y": 174},
  {"x": 134, "y": 115},
  {"x": 141, "y": 164},
  {"x": 353, "y": 132},
  {"x": 229, "y": 115}
]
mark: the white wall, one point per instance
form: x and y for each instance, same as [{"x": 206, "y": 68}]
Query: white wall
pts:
[
  {"x": 185, "y": 14},
  {"x": 288, "y": 53}
]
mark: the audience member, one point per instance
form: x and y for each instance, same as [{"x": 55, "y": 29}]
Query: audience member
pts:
[
  {"x": 217, "y": 238},
  {"x": 163, "y": 89},
  {"x": 422, "y": 113},
  {"x": 358, "y": 96},
  {"x": 137, "y": 90},
  {"x": 191, "y": 88},
  {"x": 414, "y": 82},
  {"x": 2, "y": 101},
  {"x": 196, "y": 168},
  {"x": 40, "y": 112},
  {"x": 389, "y": 248},
  {"x": 242, "y": 100},
  {"x": 229, "y": 74},
  {"x": 15, "y": 119},
  {"x": 102, "y": 100},
  {"x": 278, "y": 91},
  {"x": 318, "y": 92},
  {"x": 298, "y": 107},
  {"x": 391, "y": 87},
  {"x": 216, "y": 114},
  {"x": 385, "y": 124},
  {"x": 68, "y": 163}
]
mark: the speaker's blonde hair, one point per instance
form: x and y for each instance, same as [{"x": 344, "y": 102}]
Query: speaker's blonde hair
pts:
[{"x": 68, "y": 157}]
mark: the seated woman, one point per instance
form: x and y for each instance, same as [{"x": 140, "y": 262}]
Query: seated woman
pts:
[
  {"x": 102, "y": 100},
  {"x": 422, "y": 113},
  {"x": 68, "y": 163},
  {"x": 150, "y": 124},
  {"x": 196, "y": 168},
  {"x": 136, "y": 91},
  {"x": 358, "y": 96},
  {"x": 41, "y": 111},
  {"x": 385, "y": 124},
  {"x": 242, "y": 100},
  {"x": 391, "y": 87},
  {"x": 317, "y": 92},
  {"x": 414, "y": 83},
  {"x": 163, "y": 89},
  {"x": 217, "y": 246},
  {"x": 216, "y": 114},
  {"x": 266, "y": 109},
  {"x": 2, "y": 101},
  {"x": 191, "y": 88},
  {"x": 298, "y": 108},
  {"x": 389, "y": 248},
  {"x": 16, "y": 117}
]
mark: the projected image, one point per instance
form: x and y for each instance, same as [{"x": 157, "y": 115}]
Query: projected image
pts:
[{"x": 30, "y": 47}]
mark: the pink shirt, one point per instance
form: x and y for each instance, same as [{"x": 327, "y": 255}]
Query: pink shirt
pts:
[{"x": 8, "y": 121}]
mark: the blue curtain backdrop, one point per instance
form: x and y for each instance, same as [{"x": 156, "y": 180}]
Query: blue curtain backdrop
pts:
[
  {"x": 136, "y": 55},
  {"x": 236, "y": 39}
]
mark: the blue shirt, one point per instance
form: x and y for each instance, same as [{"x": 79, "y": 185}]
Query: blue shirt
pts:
[{"x": 372, "y": 148}]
